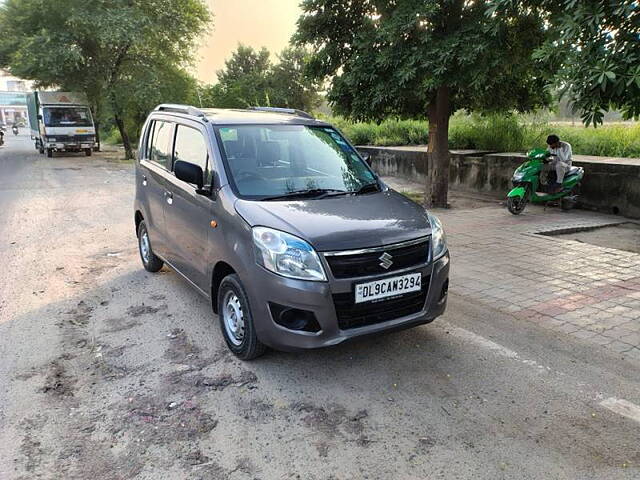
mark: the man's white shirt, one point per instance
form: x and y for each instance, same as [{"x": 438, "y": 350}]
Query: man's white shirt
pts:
[{"x": 563, "y": 152}]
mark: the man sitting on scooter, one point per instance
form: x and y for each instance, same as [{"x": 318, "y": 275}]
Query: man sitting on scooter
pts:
[{"x": 560, "y": 160}]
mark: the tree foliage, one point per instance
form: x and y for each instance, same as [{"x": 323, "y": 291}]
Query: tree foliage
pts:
[
  {"x": 389, "y": 58},
  {"x": 417, "y": 58},
  {"x": 106, "y": 48},
  {"x": 250, "y": 79},
  {"x": 595, "y": 46}
]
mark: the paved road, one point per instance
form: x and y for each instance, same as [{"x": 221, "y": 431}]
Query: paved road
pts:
[{"x": 109, "y": 372}]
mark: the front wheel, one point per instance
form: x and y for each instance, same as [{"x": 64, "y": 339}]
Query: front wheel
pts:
[
  {"x": 516, "y": 205},
  {"x": 49, "y": 152},
  {"x": 88, "y": 152},
  {"x": 236, "y": 321}
]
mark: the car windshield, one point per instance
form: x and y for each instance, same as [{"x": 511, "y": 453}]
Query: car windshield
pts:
[
  {"x": 67, "y": 117},
  {"x": 273, "y": 161}
]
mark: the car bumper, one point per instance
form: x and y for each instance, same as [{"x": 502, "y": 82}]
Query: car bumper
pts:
[
  {"x": 64, "y": 147},
  {"x": 317, "y": 297}
]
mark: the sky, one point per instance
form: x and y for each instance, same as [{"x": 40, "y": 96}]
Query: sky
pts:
[{"x": 256, "y": 23}]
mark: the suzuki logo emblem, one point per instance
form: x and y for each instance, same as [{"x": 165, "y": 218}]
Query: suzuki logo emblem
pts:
[{"x": 385, "y": 260}]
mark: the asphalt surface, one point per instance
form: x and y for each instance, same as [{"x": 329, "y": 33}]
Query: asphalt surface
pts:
[{"x": 109, "y": 372}]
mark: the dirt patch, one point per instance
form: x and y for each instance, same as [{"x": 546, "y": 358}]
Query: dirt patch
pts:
[
  {"x": 80, "y": 314},
  {"x": 138, "y": 310},
  {"x": 333, "y": 421},
  {"x": 31, "y": 447},
  {"x": 119, "y": 325},
  {"x": 57, "y": 382},
  {"x": 221, "y": 382},
  {"x": 624, "y": 236},
  {"x": 151, "y": 419}
]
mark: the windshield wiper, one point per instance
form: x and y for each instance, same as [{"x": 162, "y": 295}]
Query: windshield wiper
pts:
[{"x": 308, "y": 193}]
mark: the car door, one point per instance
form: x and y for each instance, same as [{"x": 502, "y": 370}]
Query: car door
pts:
[
  {"x": 155, "y": 166},
  {"x": 189, "y": 215}
]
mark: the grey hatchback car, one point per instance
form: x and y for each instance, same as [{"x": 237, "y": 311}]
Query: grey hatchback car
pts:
[{"x": 275, "y": 217}]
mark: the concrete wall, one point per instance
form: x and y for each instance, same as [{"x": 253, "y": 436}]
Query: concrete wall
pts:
[{"x": 608, "y": 185}]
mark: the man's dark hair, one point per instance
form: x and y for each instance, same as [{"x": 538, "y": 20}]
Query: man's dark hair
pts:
[{"x": 551, "y": 139}]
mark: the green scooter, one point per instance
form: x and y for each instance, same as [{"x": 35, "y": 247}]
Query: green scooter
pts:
[{"x": 527, "y": 186}]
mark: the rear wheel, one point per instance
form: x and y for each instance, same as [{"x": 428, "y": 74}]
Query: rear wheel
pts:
[
  {"x": 236, "y": 320},
  {"x": 150, "y": 261},
  {"x": 516, "y": 205}
]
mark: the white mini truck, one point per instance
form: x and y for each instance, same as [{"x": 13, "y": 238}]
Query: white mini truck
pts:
[{"x": 61, "y": 122}]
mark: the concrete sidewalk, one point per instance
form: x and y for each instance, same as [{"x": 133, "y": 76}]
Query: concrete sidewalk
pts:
[{"x": 587, "y": 291}]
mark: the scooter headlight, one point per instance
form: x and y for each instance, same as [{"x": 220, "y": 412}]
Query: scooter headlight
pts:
[
  {"x": 438, "y": 238},
  {"x": 517, "y": 176},
  {"x": 287, "y": 255}
]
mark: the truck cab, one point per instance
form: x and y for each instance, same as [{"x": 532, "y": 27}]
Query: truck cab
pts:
[{"x": 61, "y": 122}]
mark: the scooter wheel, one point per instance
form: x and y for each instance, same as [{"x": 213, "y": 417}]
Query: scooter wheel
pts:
[{"x": 516, "y": 205}]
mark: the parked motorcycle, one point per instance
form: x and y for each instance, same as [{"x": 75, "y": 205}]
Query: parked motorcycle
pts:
[
  {"x": 529, "y": 188},
  {"x": 15, "y": 130}
]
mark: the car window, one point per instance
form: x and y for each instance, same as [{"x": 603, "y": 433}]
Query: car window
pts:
[
  {"x": 161, "y": 144},
  {"x": 191, "y": 147}
]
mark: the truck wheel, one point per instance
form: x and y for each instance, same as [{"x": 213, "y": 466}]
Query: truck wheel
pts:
[
  {"x": 516, "y": 204},
  {"x": 87, "y": 152},
  {"x": 49, "y": 152},
  {"x": 150, "y": 261},
  {"x": 236, "y": 320}
]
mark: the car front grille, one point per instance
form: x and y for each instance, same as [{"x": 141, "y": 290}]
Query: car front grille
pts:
[
  {"x": 353, "y": 315},
  {"x": 346, "y": 265}
]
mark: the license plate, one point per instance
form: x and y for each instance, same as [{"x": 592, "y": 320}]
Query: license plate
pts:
[{"x": 389, "y": 287}]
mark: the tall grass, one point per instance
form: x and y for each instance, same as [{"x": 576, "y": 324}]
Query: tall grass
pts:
[{"x": 504, "y": 133}]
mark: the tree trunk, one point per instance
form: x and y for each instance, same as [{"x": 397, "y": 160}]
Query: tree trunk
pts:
[
  {"x": 128, "y": 151},
  {"x": 437, "y": 186}
]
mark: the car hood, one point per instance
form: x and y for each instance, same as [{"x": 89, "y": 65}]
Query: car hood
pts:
[{"x": 343, "y": 222}]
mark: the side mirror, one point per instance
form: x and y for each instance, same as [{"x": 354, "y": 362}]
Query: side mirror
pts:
[
  {"x": 366, "y": 157},
  {"x": 188, "y": 172}
]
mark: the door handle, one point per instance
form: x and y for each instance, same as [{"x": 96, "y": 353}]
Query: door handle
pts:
[
  {"x": 169, "y": 197},
  {"x": 144, "y": 180}
]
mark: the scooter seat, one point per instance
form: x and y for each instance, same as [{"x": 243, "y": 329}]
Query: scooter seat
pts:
[{"x": 574, "y": 170}]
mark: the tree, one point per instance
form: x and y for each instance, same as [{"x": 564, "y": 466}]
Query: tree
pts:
[
  {"x": 250, "y": 79},
  {"x": 595, "y": 47},
  {"x": 291, "y": 87},
  {"x": 418, "y": 58},
  {"x": 102, "y": 47},
  {"x": 244, "y": 80}
]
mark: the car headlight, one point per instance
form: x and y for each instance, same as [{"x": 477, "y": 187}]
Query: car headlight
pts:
[
  {"x": 287, "y": 255},
  {"x": 51, "y": 139},
  {"x": 438, "y": 238}
]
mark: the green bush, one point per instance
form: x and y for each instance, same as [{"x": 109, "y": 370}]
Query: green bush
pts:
[
  {"x": 503, "y": 133},
  {"x": 111, "y": 137}
]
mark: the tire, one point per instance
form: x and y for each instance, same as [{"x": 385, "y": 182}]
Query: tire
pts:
[
  {"x": 568, "y": 203},
  {"x": 233, "y": 300},
  {"x": 88, "y": 152},
  {"x": 150, "y": 261},
  {"x": 516, "y": 205},
  {"x": 49, "y": 153},
  {"x": 41, "y": 148}
]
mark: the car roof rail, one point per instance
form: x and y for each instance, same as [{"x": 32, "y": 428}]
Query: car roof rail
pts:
[
  {"x": 177, "y": 108},
  {"x": 290, "y": 111}
]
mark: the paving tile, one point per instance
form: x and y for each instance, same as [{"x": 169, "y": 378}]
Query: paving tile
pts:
[{"x": 591, "y": 293}]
